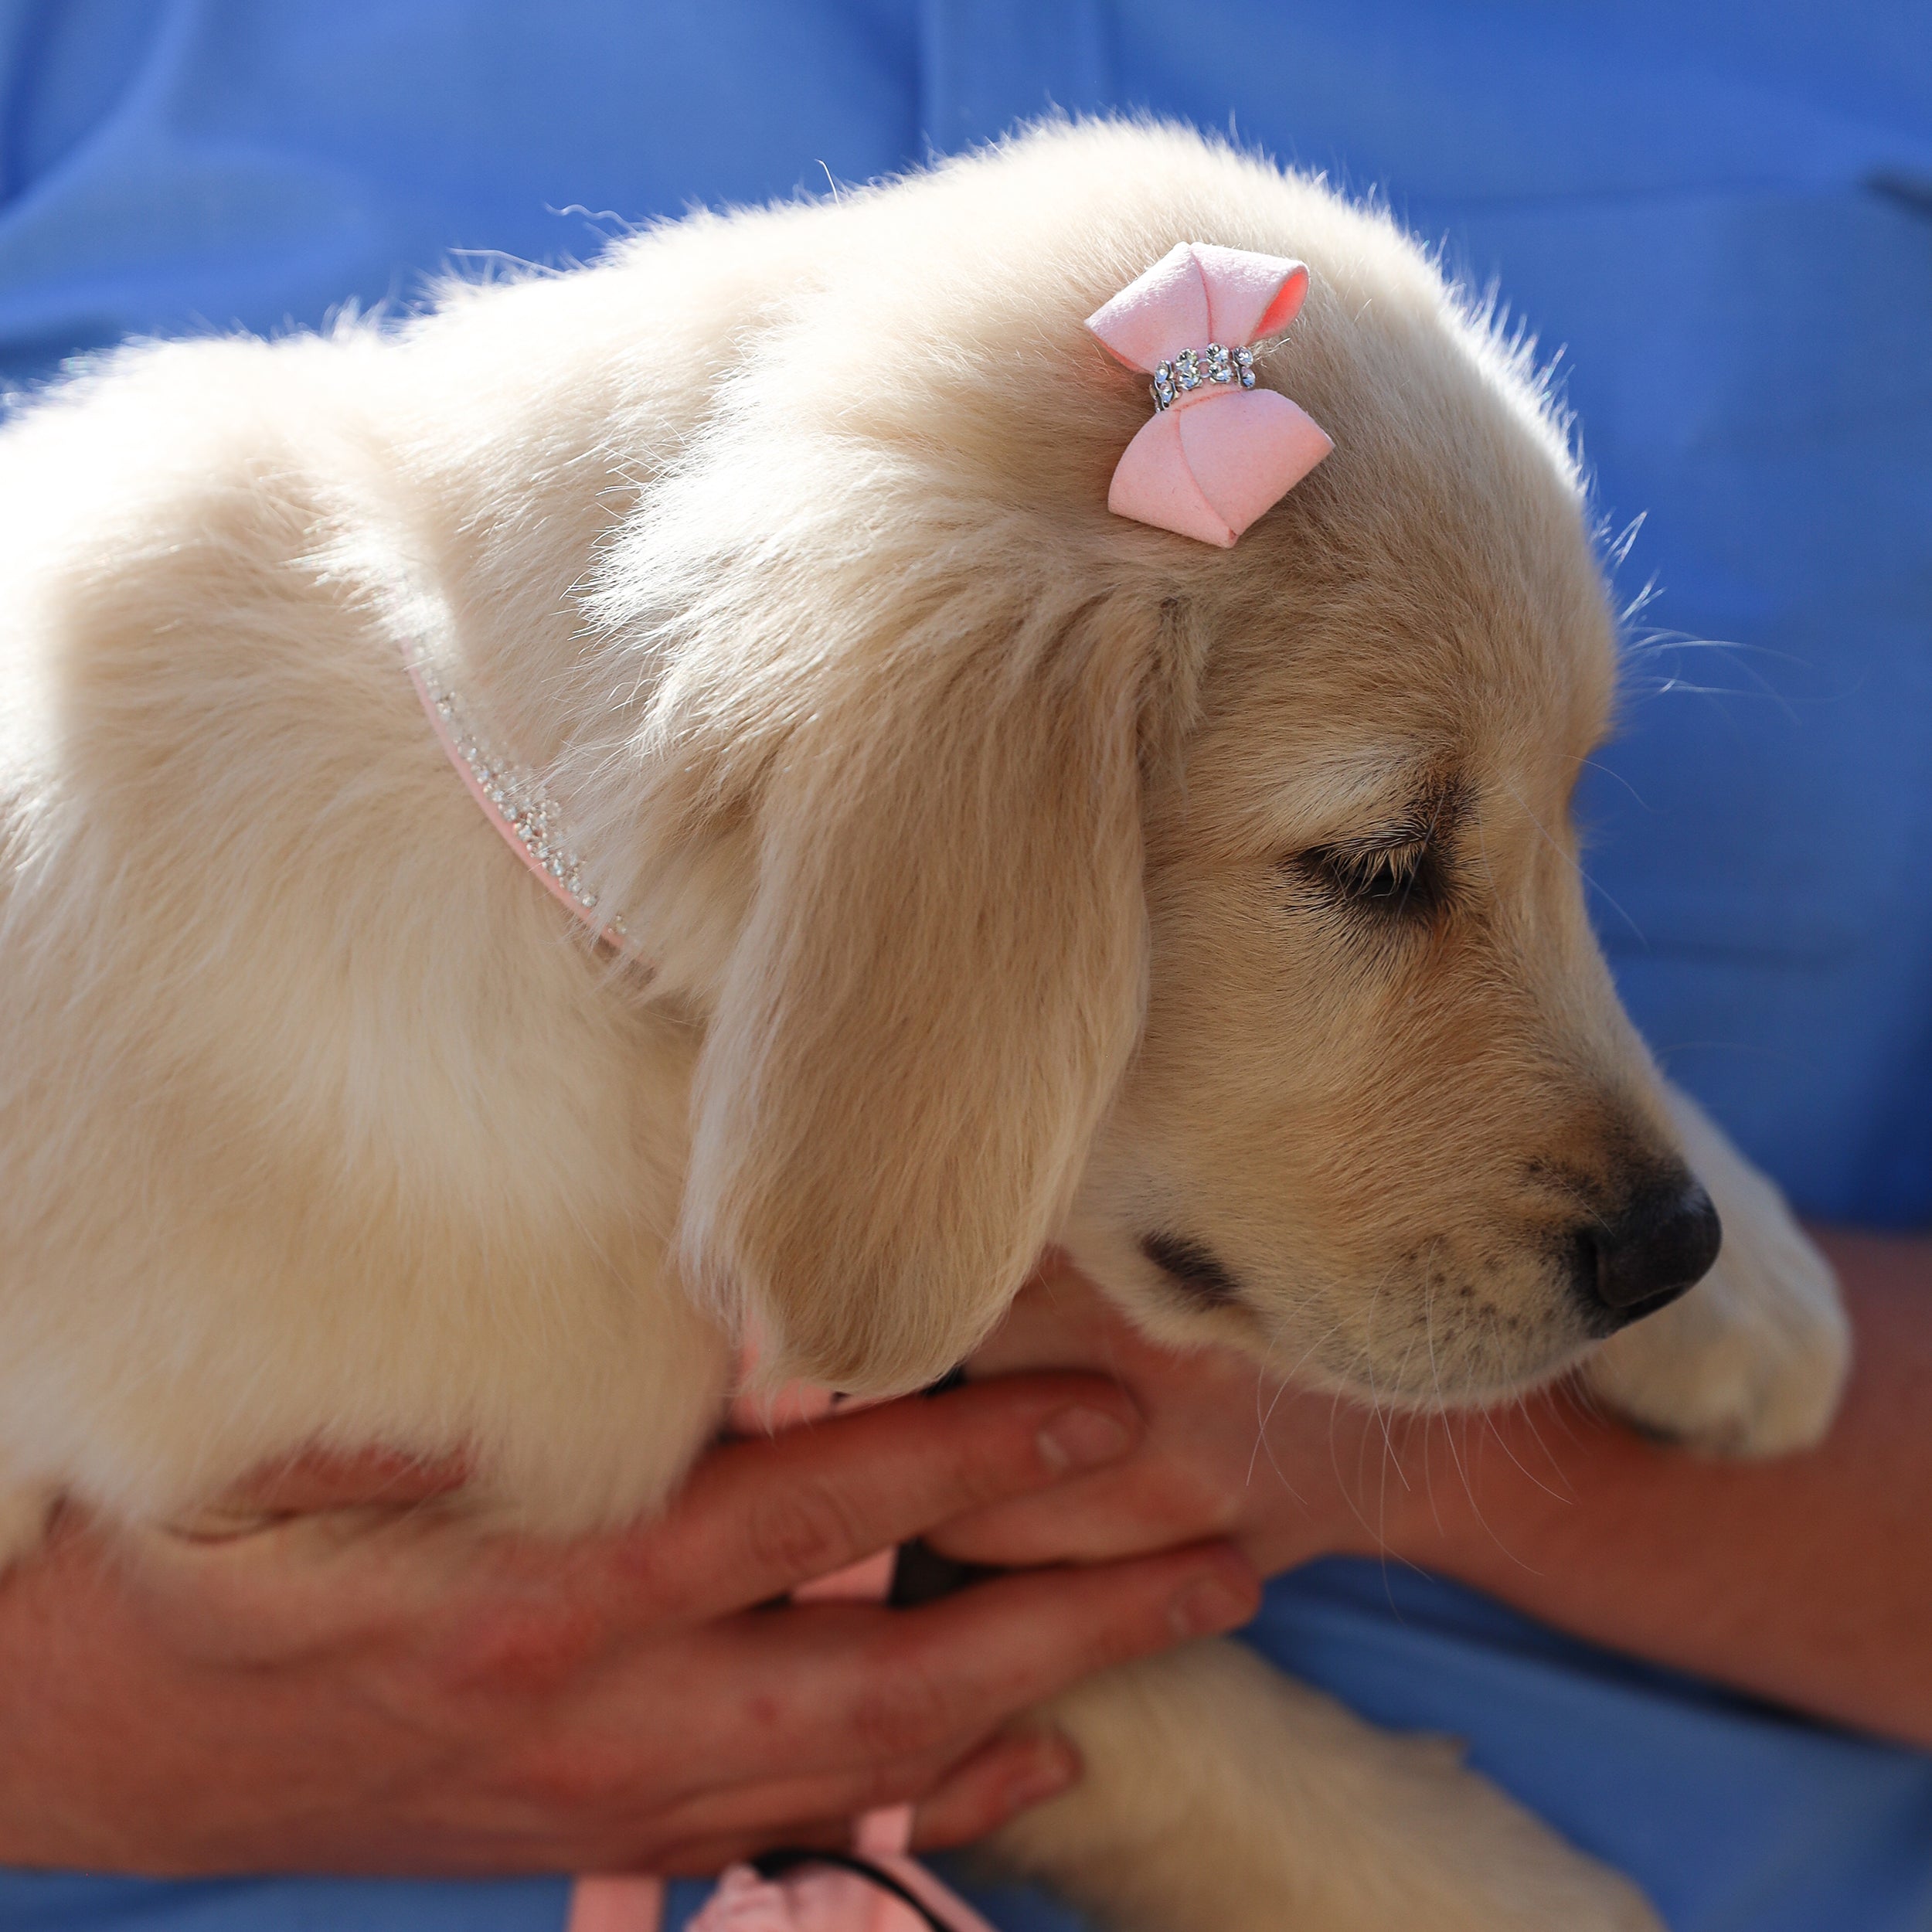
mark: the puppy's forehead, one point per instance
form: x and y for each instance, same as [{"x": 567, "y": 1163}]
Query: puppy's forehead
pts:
[
  {"x": 1386, "y": 637},
  {"x": 1434, "y": 587},
  {"x": 1328, "y": 703}
]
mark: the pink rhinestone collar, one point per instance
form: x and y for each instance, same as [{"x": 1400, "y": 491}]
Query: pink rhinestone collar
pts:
[{"x": 518, "y": 802}]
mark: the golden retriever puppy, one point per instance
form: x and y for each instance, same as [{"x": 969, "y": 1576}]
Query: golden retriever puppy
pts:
[{"x": 983, "y": 869}]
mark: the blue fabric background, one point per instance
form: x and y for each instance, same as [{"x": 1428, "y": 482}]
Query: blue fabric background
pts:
[{"x": 1721, "y": 213}]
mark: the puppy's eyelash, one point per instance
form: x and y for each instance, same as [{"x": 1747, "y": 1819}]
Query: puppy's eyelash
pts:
[
  {"x": 1403, "y": 880},
  {"x": 1400, "y": 875}
]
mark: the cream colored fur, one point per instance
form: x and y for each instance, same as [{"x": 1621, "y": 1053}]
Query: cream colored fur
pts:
[
  {"x": 967, "y": 829},
  {"x": 1221, "y": 1794}
]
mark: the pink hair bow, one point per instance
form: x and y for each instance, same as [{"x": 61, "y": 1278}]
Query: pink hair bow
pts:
[{"x": 1218, "y": 451}]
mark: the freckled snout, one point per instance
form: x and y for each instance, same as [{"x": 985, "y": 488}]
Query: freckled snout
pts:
[{"x": 1662, "y": 1243}]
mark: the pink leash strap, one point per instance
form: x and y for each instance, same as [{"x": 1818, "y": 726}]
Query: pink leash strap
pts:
[
  {"x": 621, "y": 1904},
  {"x": 877, "y": 1887}
]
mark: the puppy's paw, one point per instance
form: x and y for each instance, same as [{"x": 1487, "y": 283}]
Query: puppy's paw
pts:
[
  {"x": 1220, "y": 1793},
  {"x": 1461, "y": 1856},
  {"x": 1752, "y": 1361}
]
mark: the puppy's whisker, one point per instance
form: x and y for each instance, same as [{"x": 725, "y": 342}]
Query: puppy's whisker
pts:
[
  {"x": 1262, "y": 1445},
  {"x": 1519, "y": 1405},
  {"x": 1654, "y": 644},
  {"x": 1609, "y": 771},
  {"x": 1575, "y": 864},
  {"x": 1618, "y": 552},
  {"x": 1435, "y": 1376}
]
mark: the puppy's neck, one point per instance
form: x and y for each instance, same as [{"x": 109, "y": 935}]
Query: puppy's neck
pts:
[{"x": 516, "y": 472}]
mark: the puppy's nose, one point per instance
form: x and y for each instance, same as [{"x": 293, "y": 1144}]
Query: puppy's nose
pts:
[{"x": 1662, "y": 1243}]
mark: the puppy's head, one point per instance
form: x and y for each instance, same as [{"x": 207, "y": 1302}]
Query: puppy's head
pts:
[{"x": 1217, "y": 912}]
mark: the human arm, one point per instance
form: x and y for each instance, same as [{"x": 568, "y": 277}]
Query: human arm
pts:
[
  {"x": 378, "y": 1689},
  {"x": 1806, "y": 1580}
]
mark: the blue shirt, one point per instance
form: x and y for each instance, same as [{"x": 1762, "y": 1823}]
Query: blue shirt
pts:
[{"x": 1721, "y": 215}]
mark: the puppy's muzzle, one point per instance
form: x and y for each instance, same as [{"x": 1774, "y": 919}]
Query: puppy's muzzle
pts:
[{"x": 1661, "y": 1244}]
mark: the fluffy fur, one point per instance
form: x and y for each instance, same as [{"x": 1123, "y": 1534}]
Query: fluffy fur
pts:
[{"x": 1006, "y": 871}]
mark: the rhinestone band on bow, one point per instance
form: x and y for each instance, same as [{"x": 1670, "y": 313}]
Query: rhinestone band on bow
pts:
[
  {"x": 519, "y": 804},
  {"x": 1192, "y": 368}
]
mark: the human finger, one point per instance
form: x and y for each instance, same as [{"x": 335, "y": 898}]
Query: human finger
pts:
[
  {"x": 758, "y": 1519},
  {"x": 1007, "y": 1775},
  {"x": 975, "y": 1786},
  {"x": 986, "y": 1654},
  {"x": 755, "y": 1519},
  {"x": 705, "y": 1857},
  {"x": 956, "y": 1804},
  {"x": 316, "y": 1479},
  {"x": 824, "y": 1687}
]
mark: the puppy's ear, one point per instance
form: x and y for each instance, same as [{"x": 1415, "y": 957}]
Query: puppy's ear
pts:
[{"x": 937, "y": 987}]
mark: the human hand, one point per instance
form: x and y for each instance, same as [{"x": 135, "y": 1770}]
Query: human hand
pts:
[
  {"x": 1546, "y": 1503},
  {"x": 369, "y": 1685},
  {"x": 1287, "y": 1474}
]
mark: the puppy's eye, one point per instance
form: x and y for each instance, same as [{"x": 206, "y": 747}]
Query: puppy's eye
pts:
[{"x": 1391, "y": 880}]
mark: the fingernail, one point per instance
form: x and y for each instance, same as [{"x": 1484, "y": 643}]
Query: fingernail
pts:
[
  {"x": 1083, "y": 1439},
  {"x": 1209, "y": 1606},
  {"x": 1054, "y": 1765}
]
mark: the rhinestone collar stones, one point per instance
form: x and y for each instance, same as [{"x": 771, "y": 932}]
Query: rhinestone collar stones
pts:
[{"x": 517, "y": 802}]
